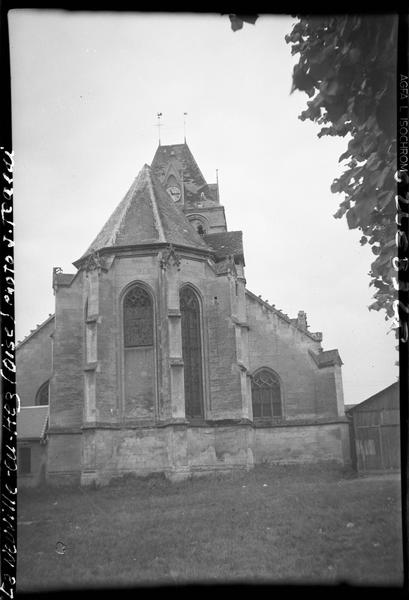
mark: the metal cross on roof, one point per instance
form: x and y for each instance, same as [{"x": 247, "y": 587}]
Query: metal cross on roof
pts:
[
  {"x": 184, "y": 125},
  {"x": 159, "y": 124}
]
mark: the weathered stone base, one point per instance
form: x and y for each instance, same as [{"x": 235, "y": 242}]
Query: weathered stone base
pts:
[
  {"x": 181, "y": 451},
  {"x": 306, "y": 443}
]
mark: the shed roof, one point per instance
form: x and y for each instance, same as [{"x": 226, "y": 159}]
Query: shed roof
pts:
[
  {"x": 389, "y": 397},
  {"x": 32, "y": 422}
]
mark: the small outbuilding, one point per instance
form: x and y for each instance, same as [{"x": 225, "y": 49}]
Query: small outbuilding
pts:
[
  {"x": 32, "y": 423},
  {"x": 375, "y": 431}
]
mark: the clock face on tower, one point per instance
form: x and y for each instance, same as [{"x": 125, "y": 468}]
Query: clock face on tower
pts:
[{"x": 174, "y": 192}]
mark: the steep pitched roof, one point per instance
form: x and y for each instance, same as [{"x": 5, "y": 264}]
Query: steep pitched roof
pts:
[
  {"x": 182, "y": 159},
  {"x": 32, "y": 422},
  {"x": 225, "y": 243},
  {"x": 146, "y": 215}
]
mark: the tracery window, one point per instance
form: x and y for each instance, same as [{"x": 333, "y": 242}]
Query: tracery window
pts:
[
  {"x": 138, "y": 318},
  {"x": 266, "y": 395},
  {"x": 192, "y": 352},
  {"x": 42, "y": 396},
  {"x": 139, "y": 354}
]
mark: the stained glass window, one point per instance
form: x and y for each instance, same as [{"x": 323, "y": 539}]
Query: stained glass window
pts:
[
  {"x": 138, "y": 318},
  {"x": 266, "y": 395},
  {"x": 192, "y": 352}
]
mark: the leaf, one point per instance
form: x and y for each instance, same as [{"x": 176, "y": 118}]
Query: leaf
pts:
[
  {"x": 382, "y": 176},
  {"x": 352, "y": 218}
]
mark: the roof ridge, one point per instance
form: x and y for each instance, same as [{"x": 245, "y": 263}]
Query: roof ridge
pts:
[
  {"x": 280, "y": 314},
  {"x": 155, "y": 210},
  {"x": 127, "y": 203}
]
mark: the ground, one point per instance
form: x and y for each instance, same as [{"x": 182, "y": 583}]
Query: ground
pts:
[{"x": 294, "y": 524}]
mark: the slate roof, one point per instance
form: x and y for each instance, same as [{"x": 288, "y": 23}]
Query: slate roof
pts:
[
  {"x": 183, "y": 161},
  {"x": 32, "y": 422},
  {"x": 225, "y": 243},
  {"x": 146, "y": 215},
  {"x": 326, "y": 358}
]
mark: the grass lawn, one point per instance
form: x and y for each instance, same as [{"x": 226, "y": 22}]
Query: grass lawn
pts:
[{"x": 294, "y": 524}]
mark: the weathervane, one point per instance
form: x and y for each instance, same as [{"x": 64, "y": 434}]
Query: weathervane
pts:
[
  {"x": 159, "y": 124},
  {"x": 184, "y": 125}
]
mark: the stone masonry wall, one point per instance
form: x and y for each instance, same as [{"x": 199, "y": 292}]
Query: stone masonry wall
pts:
[
  {"x": 67, "y": 383},
  {"x": 274, "y": 343},
  {"x": 34, "y": 363},
  {"x": 302, "y": 444}
]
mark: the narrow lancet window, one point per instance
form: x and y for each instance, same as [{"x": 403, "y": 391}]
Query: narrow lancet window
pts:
[
  {"x": 138, "y": 324},
  {"x": 192, "y": 353}
]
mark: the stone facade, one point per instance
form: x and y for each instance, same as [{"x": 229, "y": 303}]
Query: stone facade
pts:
[{"x": 157, "y": 348}]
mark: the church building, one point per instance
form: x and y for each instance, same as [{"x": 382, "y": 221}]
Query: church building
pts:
[{"x": 159, "y": 359}]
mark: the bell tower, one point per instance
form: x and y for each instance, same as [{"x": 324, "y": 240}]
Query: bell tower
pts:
[{"x": 179, "y": 173}]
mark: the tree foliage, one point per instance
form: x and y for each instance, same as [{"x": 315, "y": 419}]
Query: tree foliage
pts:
[{"x": 347, "y": 66}]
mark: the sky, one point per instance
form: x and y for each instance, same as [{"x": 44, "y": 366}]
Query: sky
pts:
[{"x": 86, "y": 89}]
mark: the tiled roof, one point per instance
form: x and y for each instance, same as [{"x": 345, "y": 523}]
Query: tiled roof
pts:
[
  {"x": 180, "y": 156},
  {"x": 326, "y": 358},
  {"x": 32, "y": 422},
  {"x": 146, "y": 215},
  {"x": 225, "y": 243}
]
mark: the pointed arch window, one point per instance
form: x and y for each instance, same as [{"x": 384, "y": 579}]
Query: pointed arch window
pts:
[
  {"x": 139, "y": 353},
  {"x": 266, "y": 395},
  {"x": 43, "y": 396},
  {"x": 192, "y": 352},
  {"x": 138, "y": 318}
]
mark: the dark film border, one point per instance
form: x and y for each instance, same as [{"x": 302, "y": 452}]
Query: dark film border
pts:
[
  {"x": 401, "y": 265},
  {"x": 9, "y": 405}
]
